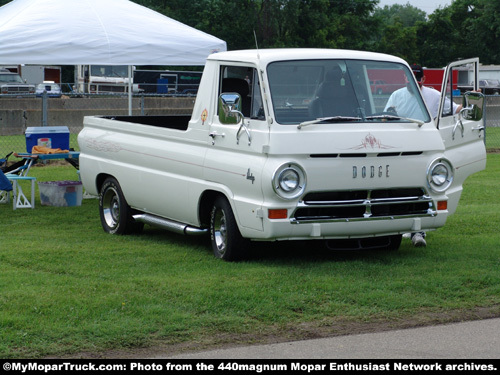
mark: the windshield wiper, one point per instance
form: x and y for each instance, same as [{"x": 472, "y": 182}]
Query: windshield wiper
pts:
[
  {"x": 328, "y": 120},
  {"x": 395, "y": 117}
]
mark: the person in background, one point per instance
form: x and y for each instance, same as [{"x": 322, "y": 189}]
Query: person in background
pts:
[{"x": 432, "y": 97}]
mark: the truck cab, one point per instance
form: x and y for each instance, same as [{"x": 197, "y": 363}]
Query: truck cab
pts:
[{"x": 102, "y": 79}]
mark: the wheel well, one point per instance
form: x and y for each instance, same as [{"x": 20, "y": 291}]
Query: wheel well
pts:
[
  {"x": 206, "y": 202},
  {"x": 100, "y": 180}
]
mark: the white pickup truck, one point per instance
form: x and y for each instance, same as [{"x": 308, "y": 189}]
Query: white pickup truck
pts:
[{"x": 289, "y": 144}]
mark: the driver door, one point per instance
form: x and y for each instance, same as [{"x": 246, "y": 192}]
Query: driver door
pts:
[
  {"x": 462, "y": 130},
  {"x": 239, "y": 135}
]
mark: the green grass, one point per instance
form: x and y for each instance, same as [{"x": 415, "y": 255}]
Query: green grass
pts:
[
  {"x": 68, "y": 287},
  {"x": 492, "y": 138}
]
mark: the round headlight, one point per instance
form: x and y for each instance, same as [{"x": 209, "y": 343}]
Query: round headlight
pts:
[
  {"x": 289, "y": 181},
  {"x": 440, "y": 175}
]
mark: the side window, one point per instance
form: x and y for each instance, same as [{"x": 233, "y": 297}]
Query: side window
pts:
[
  {"x": 244, "y": 81},
  {"x": 257, "y": 105},
  {"x": 449, "y": 108}
]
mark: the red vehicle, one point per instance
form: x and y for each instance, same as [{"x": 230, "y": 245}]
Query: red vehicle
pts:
[
  {"x": 384, "y": 83},
  {"x": 434, "y": 78},
  {"x": 381, "y": 87}
]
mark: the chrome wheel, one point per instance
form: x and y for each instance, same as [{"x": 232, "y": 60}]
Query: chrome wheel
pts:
[
  {"x": 219, "y": 231},
  {"x": 115, "y": 213},
  {"x": 227, "y": 242},
  {"x": 111, "y": 208}
]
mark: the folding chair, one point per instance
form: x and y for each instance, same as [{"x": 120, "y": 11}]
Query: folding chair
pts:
[
  {"x": 19, "y": 199},
  {"x": 10, "y": 182},
  {"x": 17, "y": 167},
  {"x": 5, "y": 187}
]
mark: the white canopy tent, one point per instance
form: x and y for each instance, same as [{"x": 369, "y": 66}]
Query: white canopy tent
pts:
[{"x": 98, "y": 32}]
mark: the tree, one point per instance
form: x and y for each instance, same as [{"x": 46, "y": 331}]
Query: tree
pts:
[
  {"x": 477, "y": 27},
  {"x": 277, "y": 23},
  {"x": 465, "y": 29},
  {"x": 406, "y": 15},
  {"x": 397, "y": 32},
  {"x": 436, "y": 40},
  {"x": 400, "y": 41}
]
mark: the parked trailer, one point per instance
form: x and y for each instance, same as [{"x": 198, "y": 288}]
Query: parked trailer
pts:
[{"x": 167, "y": 81}]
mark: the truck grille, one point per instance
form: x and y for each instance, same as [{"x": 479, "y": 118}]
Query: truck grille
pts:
[
  {"x": 17, "y": 90},
  {"x": 112, "y": 88},
  {"x": 353, "y": 205},
  {"x": 99, "y": 88}
]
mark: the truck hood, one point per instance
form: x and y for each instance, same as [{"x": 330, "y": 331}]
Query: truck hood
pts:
[{"x": 320, "y": 139}]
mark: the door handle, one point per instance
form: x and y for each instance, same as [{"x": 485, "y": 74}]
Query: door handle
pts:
[
  {"x": 478, "y": 129},
  {"x": 213, "y": 135}
]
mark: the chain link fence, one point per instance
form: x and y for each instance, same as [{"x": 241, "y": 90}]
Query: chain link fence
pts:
[
  {"x": 17, "y": 114},
  {"x": 492, "y": 123}
]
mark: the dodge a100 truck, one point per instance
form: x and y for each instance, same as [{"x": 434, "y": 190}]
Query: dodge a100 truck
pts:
[{"x": 289, "y": 144}]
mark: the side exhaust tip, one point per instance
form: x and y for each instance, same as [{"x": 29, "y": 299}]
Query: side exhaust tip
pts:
[{"x": 170, "y": 225}]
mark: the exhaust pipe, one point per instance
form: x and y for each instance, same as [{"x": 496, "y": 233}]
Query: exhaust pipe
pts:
[{"x": 169, "y": 225}]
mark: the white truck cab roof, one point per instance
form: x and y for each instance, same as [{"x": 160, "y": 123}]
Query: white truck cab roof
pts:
[{"x": 267, "y": 56}]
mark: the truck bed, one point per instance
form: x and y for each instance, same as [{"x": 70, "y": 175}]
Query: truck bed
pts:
[{"x": 178, "y": 122}]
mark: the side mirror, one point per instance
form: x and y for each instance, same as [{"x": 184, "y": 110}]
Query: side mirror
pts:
[
  {"x": 230, "y": 108},
  {"x": 473, "y": 104}
]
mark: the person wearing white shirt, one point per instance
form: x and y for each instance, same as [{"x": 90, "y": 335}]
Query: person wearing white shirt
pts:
[{"x": 405, "y": 103}]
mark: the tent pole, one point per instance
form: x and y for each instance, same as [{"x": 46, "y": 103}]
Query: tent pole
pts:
[{"x": 130, "y": 90}]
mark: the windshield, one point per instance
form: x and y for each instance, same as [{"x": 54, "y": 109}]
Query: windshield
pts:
[
  {"x": 10, "y": 78},
  {"x": 109, "y": 71},
  {"x": 491, "y": 82},
  {"x": 48, "y": 86},
  {"x": 338, "y": 90}
]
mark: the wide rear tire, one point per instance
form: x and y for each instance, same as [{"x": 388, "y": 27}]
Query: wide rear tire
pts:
[{"x": 115, "y": 213}]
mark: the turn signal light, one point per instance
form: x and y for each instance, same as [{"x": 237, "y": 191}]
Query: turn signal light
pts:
[
  {"x": 278, "y": 214},
  {"x": 442, "y": 205}
]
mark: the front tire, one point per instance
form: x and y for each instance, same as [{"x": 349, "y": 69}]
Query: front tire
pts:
[
  {"x": 227, "y": 242},
  {"x": 115, "y": 213}
]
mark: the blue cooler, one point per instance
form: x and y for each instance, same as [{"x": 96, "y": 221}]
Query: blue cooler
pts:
[{"x": 47, "y": 136}]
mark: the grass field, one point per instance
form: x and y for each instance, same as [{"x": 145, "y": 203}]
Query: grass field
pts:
[{"x": 66, "y": 287}]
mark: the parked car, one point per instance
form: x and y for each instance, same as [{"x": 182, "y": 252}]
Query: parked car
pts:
[
  {"x": 492, "y": 86},
  {"x": 13, "y": 84},
  {"x": 487, "y": 86},
  {"x": 53, "y": 89},
  {"x": 380, "y": 87}
]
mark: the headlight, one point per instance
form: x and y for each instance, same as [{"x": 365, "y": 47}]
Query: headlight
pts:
[
  {"x": 289, "y": 181},
  {"x": 440, "y": 175}
]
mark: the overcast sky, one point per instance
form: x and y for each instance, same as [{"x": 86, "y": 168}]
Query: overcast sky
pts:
[{"x": 428, "y": 6}]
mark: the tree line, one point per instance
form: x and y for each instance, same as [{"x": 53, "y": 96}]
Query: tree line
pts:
[{"x": 464, "y": 29}]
